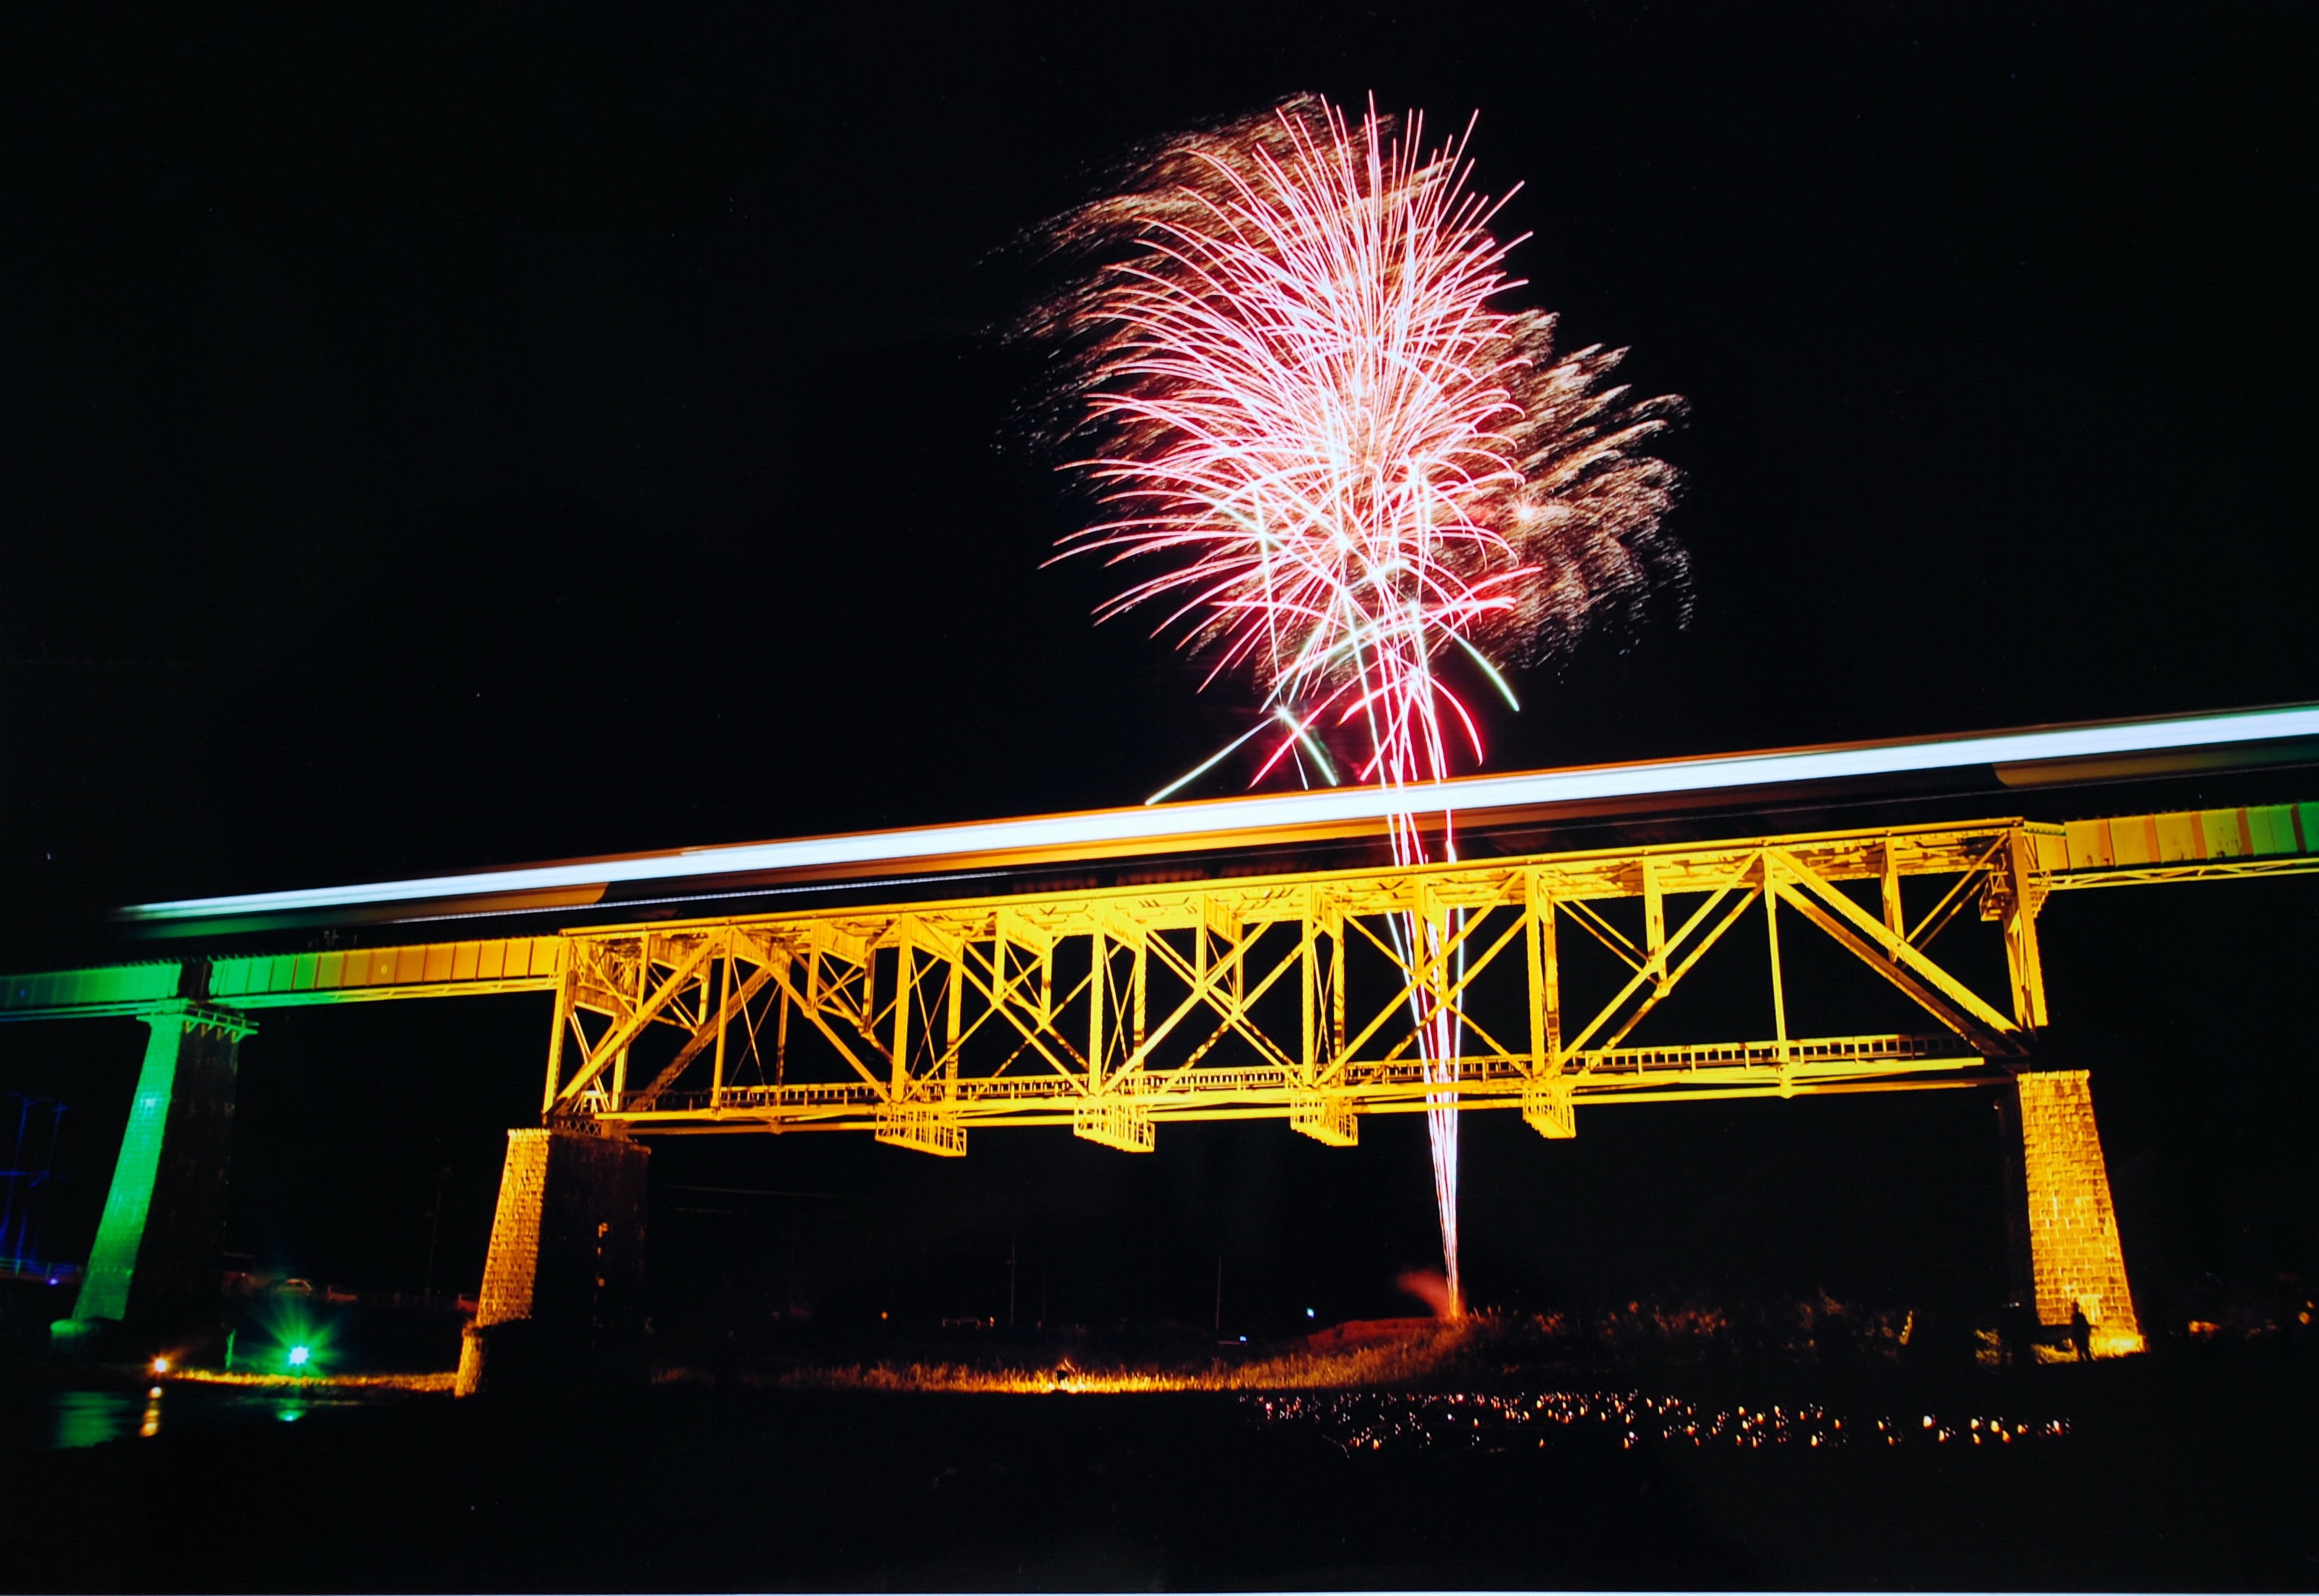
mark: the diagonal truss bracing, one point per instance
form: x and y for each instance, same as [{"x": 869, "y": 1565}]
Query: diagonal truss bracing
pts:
[{"x": 1300, "y": 997}]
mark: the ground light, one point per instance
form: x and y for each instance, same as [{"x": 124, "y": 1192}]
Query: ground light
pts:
[{"x": 302, "y": 1338}]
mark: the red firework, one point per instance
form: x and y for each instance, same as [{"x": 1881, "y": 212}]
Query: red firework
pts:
[
  {"x": 1358, "y": 479},
  {"x": 1352, "y": 469}
]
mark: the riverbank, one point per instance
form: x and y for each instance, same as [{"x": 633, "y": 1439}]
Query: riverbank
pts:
[{"x": 2181, "y": 1476}]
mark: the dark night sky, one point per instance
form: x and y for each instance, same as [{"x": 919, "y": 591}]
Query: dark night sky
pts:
[{"x": 566, "y": 431}]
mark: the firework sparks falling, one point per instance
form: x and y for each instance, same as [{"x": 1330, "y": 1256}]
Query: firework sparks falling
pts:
[{"x": 1361, "y": 484}]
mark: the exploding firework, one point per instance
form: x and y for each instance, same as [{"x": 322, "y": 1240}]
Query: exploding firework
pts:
[{"x": 1361, "y": 484}]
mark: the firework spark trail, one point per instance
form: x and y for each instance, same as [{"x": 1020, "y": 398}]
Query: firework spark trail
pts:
[{"x": 1360, "y": 482}]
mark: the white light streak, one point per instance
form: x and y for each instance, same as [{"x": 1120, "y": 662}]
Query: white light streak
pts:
[{"x": 1226, "y": 818}]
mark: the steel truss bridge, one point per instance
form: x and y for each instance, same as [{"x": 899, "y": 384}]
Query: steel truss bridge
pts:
[
  {"x": 1307, "y": 997},
  {"x": 1206, "y": 981},
  {"x": 1299, "y": 996}
]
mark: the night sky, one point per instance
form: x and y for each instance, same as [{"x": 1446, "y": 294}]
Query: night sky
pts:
[{"x": 556, "y": 432}]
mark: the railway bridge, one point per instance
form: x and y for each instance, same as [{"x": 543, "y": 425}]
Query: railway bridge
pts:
[{"x": 1118, "y": 972}]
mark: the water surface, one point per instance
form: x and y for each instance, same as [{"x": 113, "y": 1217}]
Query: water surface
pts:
[{"x": 64, "y": 1421}]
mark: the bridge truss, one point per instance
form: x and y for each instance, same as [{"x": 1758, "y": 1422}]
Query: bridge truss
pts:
[
  {"x": 1302, "y": 997},
  {"x": 1293, "y": 995}
]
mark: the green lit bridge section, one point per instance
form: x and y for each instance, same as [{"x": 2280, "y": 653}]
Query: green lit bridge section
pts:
[
  {"x": 472, "y": 968},
  {"x": 158, "y": 1212},
  {"x": 357, "y": 975}
]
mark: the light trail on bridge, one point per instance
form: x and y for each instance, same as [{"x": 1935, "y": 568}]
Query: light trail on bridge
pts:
[{"x": 2019, "y": 757}]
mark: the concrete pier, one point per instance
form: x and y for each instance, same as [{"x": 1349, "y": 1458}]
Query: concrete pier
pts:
[{"x": 153, "y": 1269}]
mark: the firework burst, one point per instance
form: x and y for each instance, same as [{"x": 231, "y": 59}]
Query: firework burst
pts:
[{"x": 1351, "y": 478}]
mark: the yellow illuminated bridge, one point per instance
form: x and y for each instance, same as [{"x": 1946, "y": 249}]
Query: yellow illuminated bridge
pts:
[{"x": 928, "y": 985}]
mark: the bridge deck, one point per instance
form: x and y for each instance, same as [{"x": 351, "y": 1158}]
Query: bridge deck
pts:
[
  {"x": 1317, "y": 997},
  {"x": 2137, "y": 850}
]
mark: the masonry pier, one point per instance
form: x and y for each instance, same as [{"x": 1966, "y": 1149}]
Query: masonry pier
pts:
[
  {"x": 2076, "y": 1263},
  {"x": 562, "y": 1292}
]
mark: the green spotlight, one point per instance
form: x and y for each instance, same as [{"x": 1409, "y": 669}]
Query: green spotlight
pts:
[{"x": 298, "y": 1357}]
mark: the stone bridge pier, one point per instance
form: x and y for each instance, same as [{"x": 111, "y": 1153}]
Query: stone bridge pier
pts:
[
  {"x": 2066, "y": 1241},
  {"x": 562, "y": 1292}
]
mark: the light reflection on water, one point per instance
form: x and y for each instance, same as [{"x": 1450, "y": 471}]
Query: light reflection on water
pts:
[
  {"x": 89, "y": 1418},
  {"x": 94, "y": 1418}
]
